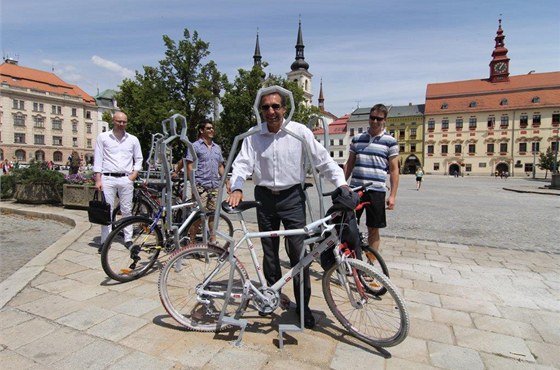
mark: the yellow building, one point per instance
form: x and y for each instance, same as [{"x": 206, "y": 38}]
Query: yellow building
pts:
[
  {"x": 494, "y": 125},
  {"x": 42, "y": 117}
]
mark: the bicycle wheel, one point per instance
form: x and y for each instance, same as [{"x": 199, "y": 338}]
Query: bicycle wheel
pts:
[
  {"x": 379, "y": 321},
  {"x": 374, "y": 259},
  {"x": 194, "y": 230},
  {"x": 140, "y": 207},
  {"x": 185, "y": 273},
  {"x": 128, "y": 260}
]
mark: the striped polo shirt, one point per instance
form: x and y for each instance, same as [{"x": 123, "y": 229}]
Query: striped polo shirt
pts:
[{"x": 372, "y": 159}]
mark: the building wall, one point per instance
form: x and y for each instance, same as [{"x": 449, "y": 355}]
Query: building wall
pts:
[{"x": 24, "y": 137}]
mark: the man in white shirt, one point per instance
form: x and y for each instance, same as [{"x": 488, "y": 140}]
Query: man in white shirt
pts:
[
  {"x": 275, "y": 160},
  {"x": 117, "y": 160}
]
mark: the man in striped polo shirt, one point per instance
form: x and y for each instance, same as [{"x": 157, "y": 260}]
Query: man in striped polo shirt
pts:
[{"x": 372, "y": 155}]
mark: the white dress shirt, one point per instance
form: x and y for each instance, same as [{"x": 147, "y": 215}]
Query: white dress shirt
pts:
[
  {"x": 112, "y": 155},
  {"x": 275, "y": 160}
]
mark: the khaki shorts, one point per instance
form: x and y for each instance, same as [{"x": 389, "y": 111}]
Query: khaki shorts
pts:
[{"x": 208, "y": 197}]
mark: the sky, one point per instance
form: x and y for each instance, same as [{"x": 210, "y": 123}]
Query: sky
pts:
[{"x": 364, "y": 51}]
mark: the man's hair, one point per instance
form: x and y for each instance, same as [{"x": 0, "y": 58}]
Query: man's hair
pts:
[
  {"x": 381, "y": 108},
  {"x": 203, "y": 124}
]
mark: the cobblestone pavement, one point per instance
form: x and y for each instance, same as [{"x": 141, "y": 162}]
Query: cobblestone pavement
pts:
[
  {"x": 24, "y": 237},
  {"x": 471, "y": 307}
]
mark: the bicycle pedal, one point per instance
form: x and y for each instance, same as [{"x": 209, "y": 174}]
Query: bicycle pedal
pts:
[{"x": 126, "y": 271}]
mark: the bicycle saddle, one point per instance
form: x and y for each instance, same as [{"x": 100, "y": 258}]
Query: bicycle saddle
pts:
[{"x": 242, "y": 206}]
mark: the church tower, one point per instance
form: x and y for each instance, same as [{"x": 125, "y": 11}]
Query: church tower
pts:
[
  {"x": 300, "y": 70},
  {"x": 499, "y": 65}
]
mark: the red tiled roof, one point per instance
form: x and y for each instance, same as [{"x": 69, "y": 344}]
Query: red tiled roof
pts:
[
  {"x": 519, "y": 92},
  {"x": 336, "y": 127},
  {"x": 29, "y": 78}
]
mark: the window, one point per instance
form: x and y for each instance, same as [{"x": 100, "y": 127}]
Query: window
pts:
[
  {"x": 490, "y": 148},
  {"x": 431, "y": 124},
  {"x": 74, "y": 141},
  {"x": 436, "y": 166},
  {"x": 401, "y": 148},
  {"x": 482, "y": 164},
  {"x": 413, "y": 132},
  {"x": 472, "y": 123},
  {"x": 528, "y": 167},
  {"x": 553, "y": 146},
  {"x": 88, "y": 129},
  {"x": 555, "y": 119},
  {"x": 392, "y": 133},
  {"x": 459, "y": 123},
  {"x": 38, "y": 107},
  {"x": 89, "y": 143},
  {"x": 57, "y": 156},
  {"x": 88, "y": 114},
  {"x": 57, "y": 124},
  {"x": 20, "y": 155},
  {"x": 340, "y": 154},
  {"x": 56, "y": 109},
  {"x": 39, "y": 139},
  {"x": 536, "y": 99},
  {"x": 18, "y": 104},
  {"x": 472, "y": 148},
  {"x": 351, "y": 132},
  {"x": 535, "y": 146},
  {"x": 332, "y": 142},
  {"x": 340, "y": 142},
  {"x": 360, "y": 130},
  {"x": 504, "y": 122},
  {"x": 38, "y": 122},
  {"x": 74, "y": 112},
  {"x": 430, "y": 149},
  {"x": 491, "y": 121},
  {"x": 19, "y": 138},
  {"x": 444, "y": 124},
  {"x": 401, "y": 134},
  {"x": 522, "y": 147},
  {"x": 504, "y": 102},
  {"x": 472, "y": 104},
  {"x": 19, "y": 119},
  {"x": 413, "y": 148},
  {"x": 74, "y": 126},
  {"x": 536, "y": 120},
  {"x": 332, "y": 154},
  {"x": 523, "y": 120},
  {"x": 444, "y": 149},
  {"x": 503, "y": 148},
  {"x": 457, "y": 148},
  {"x": 57, "y": 140},
  {"x": 444, "y": 106}
]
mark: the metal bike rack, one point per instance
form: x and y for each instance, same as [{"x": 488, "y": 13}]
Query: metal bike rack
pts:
[{"x": 241, "y": 323}]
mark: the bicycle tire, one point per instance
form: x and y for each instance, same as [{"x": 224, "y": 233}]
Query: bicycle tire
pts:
[
  {"x": 194, "y": 230},
  {"x": 140, "y": 207},
  {"x": 118, "y": 260},
  {"x": 379, "y": 321},
  {"x": 185, "y": 271},
  {"x": 374, "y": 259}
]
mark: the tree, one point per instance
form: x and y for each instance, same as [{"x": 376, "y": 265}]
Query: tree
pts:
[{"x": 546, "y": 161}]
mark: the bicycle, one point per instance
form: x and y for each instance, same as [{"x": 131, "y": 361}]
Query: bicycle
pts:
[
  {"x": 206, "y": 288},
  {"x": 129, "y": 260}
]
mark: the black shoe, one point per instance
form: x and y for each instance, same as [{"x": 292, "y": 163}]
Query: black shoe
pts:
[
  {"x": 263, "y": 314},
  {"x": 308, "y": 319},
  {"x": 134, "y": 250},
  {"x": 99, "y": 249}
]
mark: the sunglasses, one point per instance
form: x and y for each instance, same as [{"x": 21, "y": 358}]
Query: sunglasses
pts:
[
  {"x": 209, "y": 128},
  {"x": 376, "y": 118},
  {"x": 273, "y": 106}
]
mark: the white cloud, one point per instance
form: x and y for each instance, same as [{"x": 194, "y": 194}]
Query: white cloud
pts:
[{"x": 112, "y": 66}]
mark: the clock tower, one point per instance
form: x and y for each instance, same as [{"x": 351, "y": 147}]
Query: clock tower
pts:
[{"x": 499, "y": 65}]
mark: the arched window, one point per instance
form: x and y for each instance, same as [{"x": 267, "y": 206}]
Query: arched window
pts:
[
  {"x": 20, "y": 155},
  {"x": 57, "y": 156},
  {"x": 39, "y": 155}
]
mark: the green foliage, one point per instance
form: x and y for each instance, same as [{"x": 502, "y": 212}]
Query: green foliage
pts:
[
  {"x": 37, "y": 173},
  {"x": 7, "y": 185},
  {"x": 107, "y": 117},
  {"x": 546, "y": 161}
]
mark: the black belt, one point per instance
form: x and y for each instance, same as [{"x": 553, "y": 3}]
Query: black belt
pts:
[
  {"x": 279, "y": 192},
  {"x": 114, "y": 174}
]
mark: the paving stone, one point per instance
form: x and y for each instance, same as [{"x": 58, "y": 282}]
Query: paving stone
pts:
[
  {"x": 25, "y": 332},
  {"x": 500, "y": 362},
  {"x": 85, "y": 318},
  {"x": 546, "y": 354},
  {"x": 454, "y": 357},
  {"x": 194, "y": 349},
  {"x": 55, "y": 346},
  {"x": 451, "y": 317},
  {"x": 412, "y": 349},
  {"x": 117, "y": 327},
  {"x": 27, "y": 295},
  {"x": 419, "y": 310},
  {"x": 289, "y": 364},
  {"x": 11, "y": 360},
  {"x": 500, "y": 344},
  {"x": 400, "y": 364},
  {"x": 237, "y": 358},
  {"x": 62, "y": 267},
  {"x": 137, "y": 306},
  {"x": 12, "y": 317},
  {"x": 139, "y": 360},
  {"x": 151, "y": 339},
  {"x": 505, "y": 326},
  {"x": 431, "y": 299},
  {"x": 469, "y": 305},
  {"x": 430, "y": 330},
  {"x": 96, "y": 355},
  {"x": 347, "y": 356},
  {"x": 83, "y": 292},
  {"x": 58, "y": 286},
  {"x": 51, "y": 306}
]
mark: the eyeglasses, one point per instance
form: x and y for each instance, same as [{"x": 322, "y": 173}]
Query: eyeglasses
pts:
[
  {"x": 209, "y": 128},
  {"x": 273, "y": 106},
  {"x": 376, "y": 118},
  {"x": 120, "y": 121}
]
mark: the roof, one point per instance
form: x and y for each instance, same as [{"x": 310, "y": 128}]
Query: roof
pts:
[
  {"x": 34, "y": 79},
  {"x": 406, "y": 110},
  {"x": 483, "y": 95},
  {"x": 336, "y": 127}
]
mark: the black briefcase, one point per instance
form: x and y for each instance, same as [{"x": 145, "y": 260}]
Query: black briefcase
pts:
[{"x": 99, "y": 211}]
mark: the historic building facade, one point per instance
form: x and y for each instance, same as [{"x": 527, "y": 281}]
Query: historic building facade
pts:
[
  {"x": 492, "y": 125},
  {"x": 42, "y": 117}
]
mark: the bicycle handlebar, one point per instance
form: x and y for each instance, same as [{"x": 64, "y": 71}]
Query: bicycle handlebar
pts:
[{"x": 355, "y": 190}]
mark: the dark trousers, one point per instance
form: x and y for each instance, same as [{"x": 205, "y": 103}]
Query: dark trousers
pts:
[{"x": 287, "y": 208}]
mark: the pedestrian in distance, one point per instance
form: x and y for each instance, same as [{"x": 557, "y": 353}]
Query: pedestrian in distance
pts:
[
  {"x": 209, "y": 169},
  {"x": 419, "y": 175},
  {"x": 117, "y": 161},
  {"x": 372, "y": 155},
  {"x": 275, "y": 159}
]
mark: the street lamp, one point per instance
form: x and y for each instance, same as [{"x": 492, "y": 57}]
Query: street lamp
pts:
[{"x": 534, "y": 158}]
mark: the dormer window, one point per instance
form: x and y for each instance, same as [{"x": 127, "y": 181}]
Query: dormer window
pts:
[
  {"x": 472, "y": 104},
  {"x": 536, "y": 99},
  {"x": 444, "y": 106},
  {"x": 504, "y": 102}
]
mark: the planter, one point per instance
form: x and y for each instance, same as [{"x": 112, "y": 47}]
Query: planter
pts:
[
  {"x": 77, "y": 195},
  {"x": 37, "y": 193}
]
